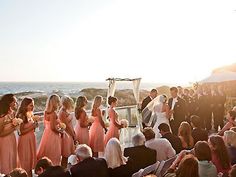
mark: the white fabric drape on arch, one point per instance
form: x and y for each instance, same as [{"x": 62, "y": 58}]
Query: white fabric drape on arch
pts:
[{"x": 136, "y": 85}]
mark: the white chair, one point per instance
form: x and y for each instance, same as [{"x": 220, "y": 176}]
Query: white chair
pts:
[
  {"x": 150, "y": 169},
  {"x": 164, "y": 166}
]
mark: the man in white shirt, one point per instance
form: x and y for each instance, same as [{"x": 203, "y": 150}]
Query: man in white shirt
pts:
[{"x": 163, "y": 148}]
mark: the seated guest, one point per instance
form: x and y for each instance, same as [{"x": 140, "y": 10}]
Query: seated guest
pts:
[
  {"x": 230, "y": 141},
  {"x": 87, "y": 165},
  {"x": 140, "y": 154},
  {"x": 185, "y": 135},
  {"x": 163, "y": 148},
  {"x": 18, "y": 172},
  {"x": 45, "y": 168},
  {"x": 198, "y": 133},
  {"x": 187, "y": 166},
  {"x": 174, "y": 140},
  {"x": 220, "y": 155},
  {"x": 203, "y": 153},
  {"x": 232, "y": 172},
  {"x": 231, "y": 122},
  {"x": 118, "y": 164}
]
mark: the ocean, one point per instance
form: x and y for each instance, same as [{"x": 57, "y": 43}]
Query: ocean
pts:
[{"x": 65, "y": 87}]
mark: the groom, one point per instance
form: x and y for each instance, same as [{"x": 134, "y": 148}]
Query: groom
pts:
[{"x": 177, "y": 110}]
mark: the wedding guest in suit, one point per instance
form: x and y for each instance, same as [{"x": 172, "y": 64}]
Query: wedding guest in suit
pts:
[
  {"x": 87, "y": 165},
  {"x": 231, "y": 116},
  {"x": 118, "y": 164},
  {"x": 203, "y": 153},
  {"x": 220, "y": 155},
  {"x": 178, "y": 110},
  {"x": 27, "y": 140},
  {"x": 207, "y": 107},
  {"x": 163, "y": 148},
  {"x": 185, "y": 135},
  {"x": 173, "y": 139},
  {"x": 8, "y": 145},
  {"x": 198, "y": 133},
  {"x": 153, "y": 94},
  {"x": 140, "y": 154},
  {"x": 221, "y": 108},
  {"x": 230, "y": 141},
  {"x": 45, "y": 168}
]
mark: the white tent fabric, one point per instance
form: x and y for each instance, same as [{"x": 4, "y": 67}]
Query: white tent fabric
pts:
[
  {"x": 220, "y": 77},
  {"x": 136, "y": 84}
]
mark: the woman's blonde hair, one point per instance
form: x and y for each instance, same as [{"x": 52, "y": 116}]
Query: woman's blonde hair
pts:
[
  {"x": 97, "y": 101},
  {"x": 186, "y": 132},
  {"x": 53, "y": 103},
  {"x": 67, "y": 102},
  {"x": 113, "y": 154},
  {"x": 230, "y": 138},
  {"x": 80, "y": 103}
]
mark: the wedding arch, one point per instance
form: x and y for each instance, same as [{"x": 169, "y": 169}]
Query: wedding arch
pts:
[{"x": 136, "y": 86}]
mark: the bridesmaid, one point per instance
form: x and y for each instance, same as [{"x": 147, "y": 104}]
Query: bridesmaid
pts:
[
  {"x": 8, "y": 146},
  {"x": 68, "y": 137},
  {"x": 27, "y": 140},
  {"x": 115, "y": 125},
  {"x": 96, "y": 130},
  {"x": 50, "y": 145},
  {"x": 81, "y": 128}
]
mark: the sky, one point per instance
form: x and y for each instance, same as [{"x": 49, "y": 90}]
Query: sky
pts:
[{"x": 162, "y": 41}]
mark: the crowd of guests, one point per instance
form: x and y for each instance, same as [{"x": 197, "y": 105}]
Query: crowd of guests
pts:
[{"x": 65, "y": 150}]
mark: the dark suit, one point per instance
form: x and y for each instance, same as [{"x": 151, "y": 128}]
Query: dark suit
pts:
[
  {"x": 144, "y": 104},
  {"x": 199, "y": 134},
  {"x": 179, "y": 114},
  {"x": 141, "y": 156},
  {"x": 174, "y": 141},
  {"x": 90, "y": 167},
  {"x": 54, "y": 171}
]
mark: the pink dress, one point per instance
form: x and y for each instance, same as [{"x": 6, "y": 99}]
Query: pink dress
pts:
[
  {"x": 27, "y": 149},
  {"x": 50, "y": 145},
  {"x": 96, "y": 134},
  {"x": 82, "y": 133},
  {"x": 8, "y": 148},
  {"x": 67, "y": 145},
  {"x": 113, "y": 131}
]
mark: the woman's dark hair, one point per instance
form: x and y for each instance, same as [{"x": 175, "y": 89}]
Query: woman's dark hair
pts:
[
  {"x": 220, "y": 150},
  {"x": 43, "y": 163},
  {"x": 111, "y": 100},
  {"x": 148, "y": 133},
  {"x": 21, "y": 113},
  {"x": 232, "y": 114},
  {"x": 202, "y": 151},
  {"x": 5, "y": 103},
  {"x": 80, "y": 103},
  {"x": 188, "y": 167}
]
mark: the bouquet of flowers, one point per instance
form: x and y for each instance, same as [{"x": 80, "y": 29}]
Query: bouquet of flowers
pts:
[
  {"x": 16, "y": 122},
  {"x": 91, "y": 119},
  {"x": 106, "y": 124},
  {"x": 62, "y": 126},
  {"x": 124, "y": 122}
]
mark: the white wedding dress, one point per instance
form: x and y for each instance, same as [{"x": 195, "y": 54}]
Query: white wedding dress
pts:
[{"x": 160, "y": 118}]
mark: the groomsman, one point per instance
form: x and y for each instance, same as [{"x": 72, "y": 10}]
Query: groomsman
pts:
[
  {"x": 153, "y": 94},
  {"x": 177, "y": 110}
]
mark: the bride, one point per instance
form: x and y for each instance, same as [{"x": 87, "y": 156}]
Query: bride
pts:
[{"x": 159, "y": 113}]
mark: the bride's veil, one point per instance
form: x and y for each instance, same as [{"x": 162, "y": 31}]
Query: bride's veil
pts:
[{"x": 149, "y": 114}]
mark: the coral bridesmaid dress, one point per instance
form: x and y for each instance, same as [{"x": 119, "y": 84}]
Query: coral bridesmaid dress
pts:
[
  {"x": 27, "y": 149},
  {"x": 68, "y": 146},
  {"x": 96, "y": 133},
  {"x": 50, "y": 145},
  {"x": 113, "y": 131},
  {"x": 8, "y": 147},
  {"x": 82, "y": 133}
]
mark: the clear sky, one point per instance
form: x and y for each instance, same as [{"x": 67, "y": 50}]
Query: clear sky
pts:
[{"x": 167, "y": 41}]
